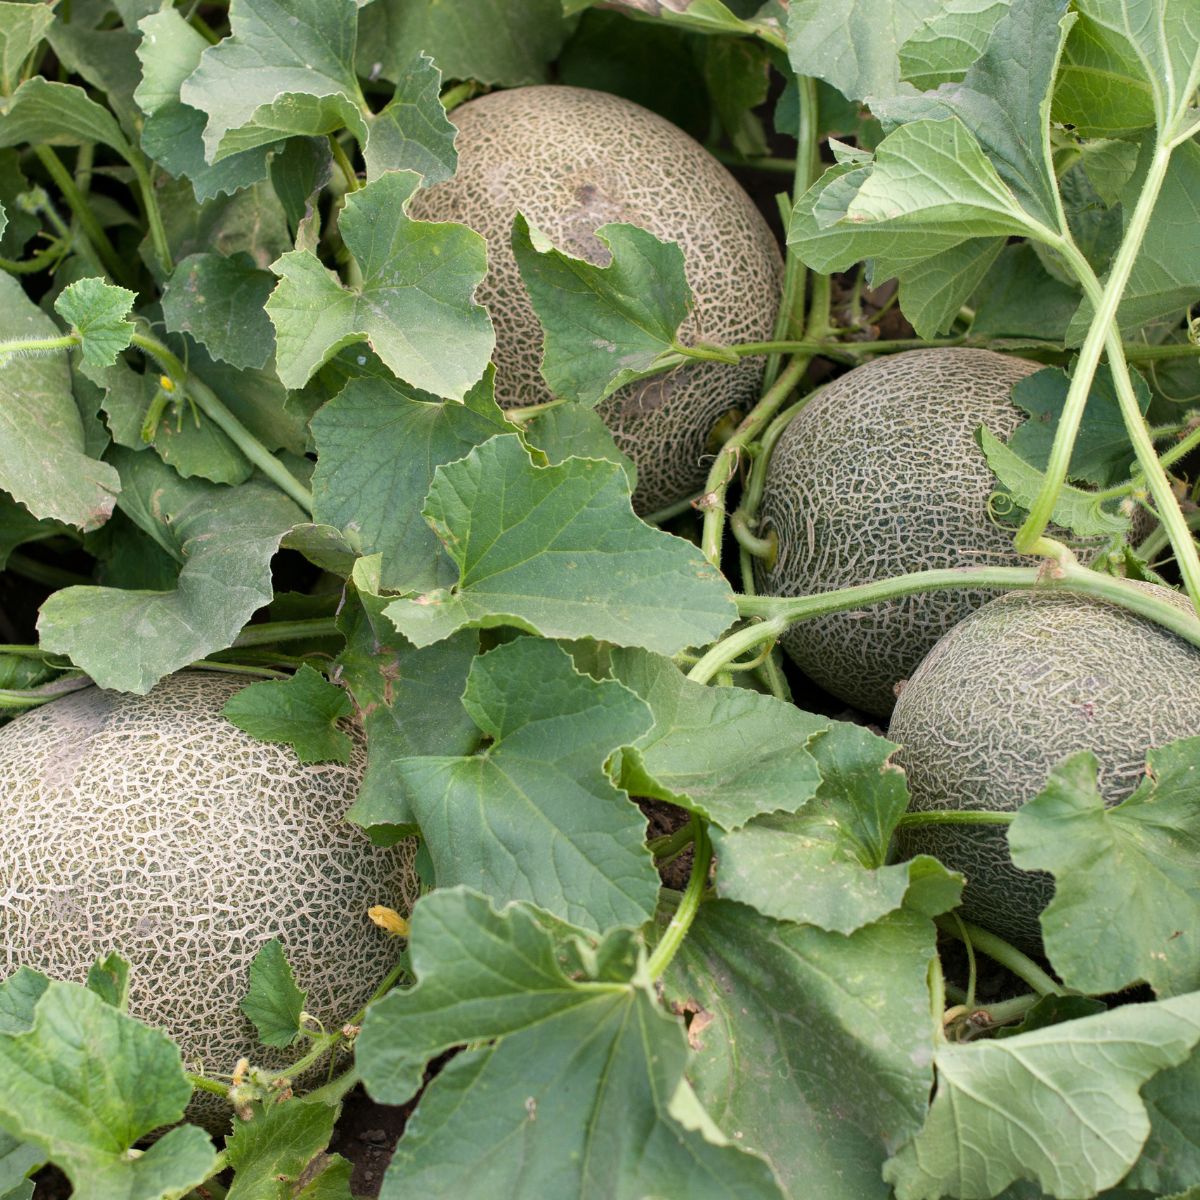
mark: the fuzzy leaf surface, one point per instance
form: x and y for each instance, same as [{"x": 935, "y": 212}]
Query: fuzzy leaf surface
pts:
[
  {"x": 936, "y": 288},
  {"x": 558, "y": 551},
  {"x": 301, "y": 711},
  {"x": 379, "y": 444},
  {"x": 280, "y": 1154},
  {"x": 42, "y": 459},
  {"x": 1126, "y": 901},
  {"x": 287, "y": 68},
  {"x": 274, "y": 1002},
  {"x": 604, "y": 326},
  {"x": 826, "y": 864},
  {"x": 1058, "y": 1106},
  {"x": 223, "y": 537},
  {"x": 584, "y": 1094},
  {"x": 572, "y": 431},
  {"x": 414, "y": 306},
  {"x": 413, "y": 133},
  {"x": 85, "y": 1082},
  {"x": 832, "y": 1031},
  {"x": 726, "y": 753},
  {"x": 58, "y": 114},
  {"x": 948, "y": 42},
  {"x": 534, "y": 816},
  {"x": 1170, "y": 1163},
  {"x": 99, "y": 313}
]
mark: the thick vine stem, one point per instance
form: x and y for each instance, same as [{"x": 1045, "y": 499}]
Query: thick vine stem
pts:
[
  {"x": 92, "y": 230},
  {"x": 957, "y": 816},
  {"x": 685, "y": 914},
  {"x": 267, "y": 633},
  {"x": 998, "y": 950}
]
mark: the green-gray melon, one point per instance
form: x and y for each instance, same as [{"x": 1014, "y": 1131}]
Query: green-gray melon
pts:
[
  {"x": 1019, "y": 685},
  {"x": 877, "y": 476},
  {"x": 152, "y": 826},
  {"x": 571, "y": 160}
]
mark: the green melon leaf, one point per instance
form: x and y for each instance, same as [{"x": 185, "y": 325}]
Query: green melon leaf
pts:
[
  {"x": 1170, "y": 1163},
  {"x": 99, "y": 313},
  {"x": 726, "y": 753},
  {"x": 224, "y": 538},
  {"x": 279, "y": 1154},
  {"x": 173, "y": 132},
  {"x": 18, "y": 526},
  {"x": 287, "y": 68},
  {"x": 815, "y": 1048},
  {"x": 1076, "y": 510},
  {"x": 414, "y": 306},
  {"x": 300, "y": 169},
  {"x": 109, "y": 979},
  {"x": 58, "y": 114},
  {"x": 737, "y": 73},
  {"x": 413, "y": 132},
  {"x": 826, "y": 865},
  {"x": 18, "y": 1160},
  {"x": 42, "y": 460},
  {"x": 107, "y": 60},
  {"x": 378, "y": 446},
  {"x": 22, "y": 27},
  {"x": 273, "y": 1002},
  {"x": 1126, "y": 901},
  {"x": 563, "y": 556},
  {"x": 1058, "y": 1106},
  {"x": 219, "y": 301},
  {"x": 85, "y": 1082},
  {"x": 302, "y": 712},
  {"x": 410, "y": 702},
  {"x": 503, "y": 42},
  {"x": 854, "y": 45},
  {"x": 584, "y": 1094},
  {"x": 534, "y": 816},
  {"x": 1019, "y": 298},
  {"x": 936, "y": 289},
  {"x": 16, "y": 225},
  {"x": 19, "y": 995},
  {"x": 572, "y": 431},
  {"x": 604, "y": 326},
  {"x": 948, "y": 42}
]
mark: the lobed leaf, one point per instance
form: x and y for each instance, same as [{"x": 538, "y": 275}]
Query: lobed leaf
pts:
[
  {"x": 948, "y": 41},
  {"x": 22, "y": 27},
  {"x": 99, "y": 313},
  {"x": 413, "y": 132},
  {"x": 273, "y": 1002},
  {"x": 279, "y": 1154},
  {"x": 58, "y": 114}
]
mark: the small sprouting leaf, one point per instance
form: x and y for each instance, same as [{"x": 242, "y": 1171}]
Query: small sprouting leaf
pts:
[
  {"x": 572, "y": 431},
  {"x": 826, "y": 865},
  {"x": 1058, "y": 1106},
  {"x": 58, "y": 114},
  {"x": 563, "y": 556},
  {"x": 85, "y": 1083},
  {"x": 1074, "y": 509},
  {"x": 535, "y": 817},
  {"x": 22, "y": 27},
  {"x": 99, "y": 313},
  {"x": 281, "y": 1149},
  {"x": 301, "y": 712},
  {"x": 1126, "y": 903},
  {"x": 287, "y": 68},
  {"x": 274, "y": 1003},
  {"x": 832, "y": 1032},
  {"x": 109, "y": 979},
  {"x": 1102, "y": 454},
  {"x": 604, "y": 326},
  {"x": 726, "y": 753},
  {"x": 378, "y": 445},
  {"x": 948, "y": 42},
  {"x": 224, "y": 537},
  {"x": 219, "y": 301},
  {"x": 42, "y": 459},
  {"x": 413, "y": 132},
  {"x": 414, "y": 306},
  {"x": 584, "y": 1094},
  {"x": 521, "y": 38}
]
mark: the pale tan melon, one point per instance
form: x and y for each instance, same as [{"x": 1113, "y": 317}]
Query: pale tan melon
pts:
[
  {"x": 572, "y": 160},
  {"x": 152, "y": 826}
]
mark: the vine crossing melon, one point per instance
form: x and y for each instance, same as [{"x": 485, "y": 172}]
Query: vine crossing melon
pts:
[
  {"x": 877, "y": 476},
  {"x": 152, "y": 826},
  {"x": 1019, "y": 685},
  {"x": 571, "y": 160}
]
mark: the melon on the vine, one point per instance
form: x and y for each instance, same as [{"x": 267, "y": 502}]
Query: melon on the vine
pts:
[
  {"x": 571, "y": 160},
  {"x": 1019, "y": 685},
  {"x": 153, "y": 827}
]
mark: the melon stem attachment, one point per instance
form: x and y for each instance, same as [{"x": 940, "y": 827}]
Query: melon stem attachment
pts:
[
  {"x": 685, "y": 914},
  {"x": 1007, "y": 955}
]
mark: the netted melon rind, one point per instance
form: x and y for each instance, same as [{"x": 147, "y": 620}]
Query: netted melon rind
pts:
[
  {"x": 152, "y": 826},
  {"x": 571, "y": 160},
  {"x": 1019, "y": 685},
  {"x": 877, "y": 476}
]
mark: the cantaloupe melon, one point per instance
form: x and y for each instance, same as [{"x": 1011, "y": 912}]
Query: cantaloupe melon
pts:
[
  {"x": 571, "y": 160},
  {"x": 152, "y": 826},
  {"x": 1019, "y": 685},
  {"x": 877, "y": 476}
]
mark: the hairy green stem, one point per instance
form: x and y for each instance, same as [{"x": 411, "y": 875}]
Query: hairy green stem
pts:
[
  {"x": 672, "y": 844},
  {"x": 144, "y": 171},
  {"x": 41, "y": 260},
  {"x": 1157, "y": 540},
  {"x": 460, "y": 93},
  {"x": 957, "y": 816},
  {"x": 972, "y": 974},
  {"x": 1141, "y": 352},
  {"x": 685, "y": 914},
  {"x": 765, "y": 162},
  {"x": 997, "y": 949},
  {"x": 344, "y": 165},
  {"x": 267, "y": 633},
  {"x": 204, "y": 1084},
  {"x": 91, "y": 227},
  {"x": 38, "y": 345},
  {"x": 234, "y": 668}
]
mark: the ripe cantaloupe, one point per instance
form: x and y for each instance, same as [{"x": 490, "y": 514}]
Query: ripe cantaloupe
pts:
[
  {"x": 877, "y": 476},
  {"x": 152, "y": 826},
  {"x": 571, "y": 160},
  {"x": 1019, "y": 685}
]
